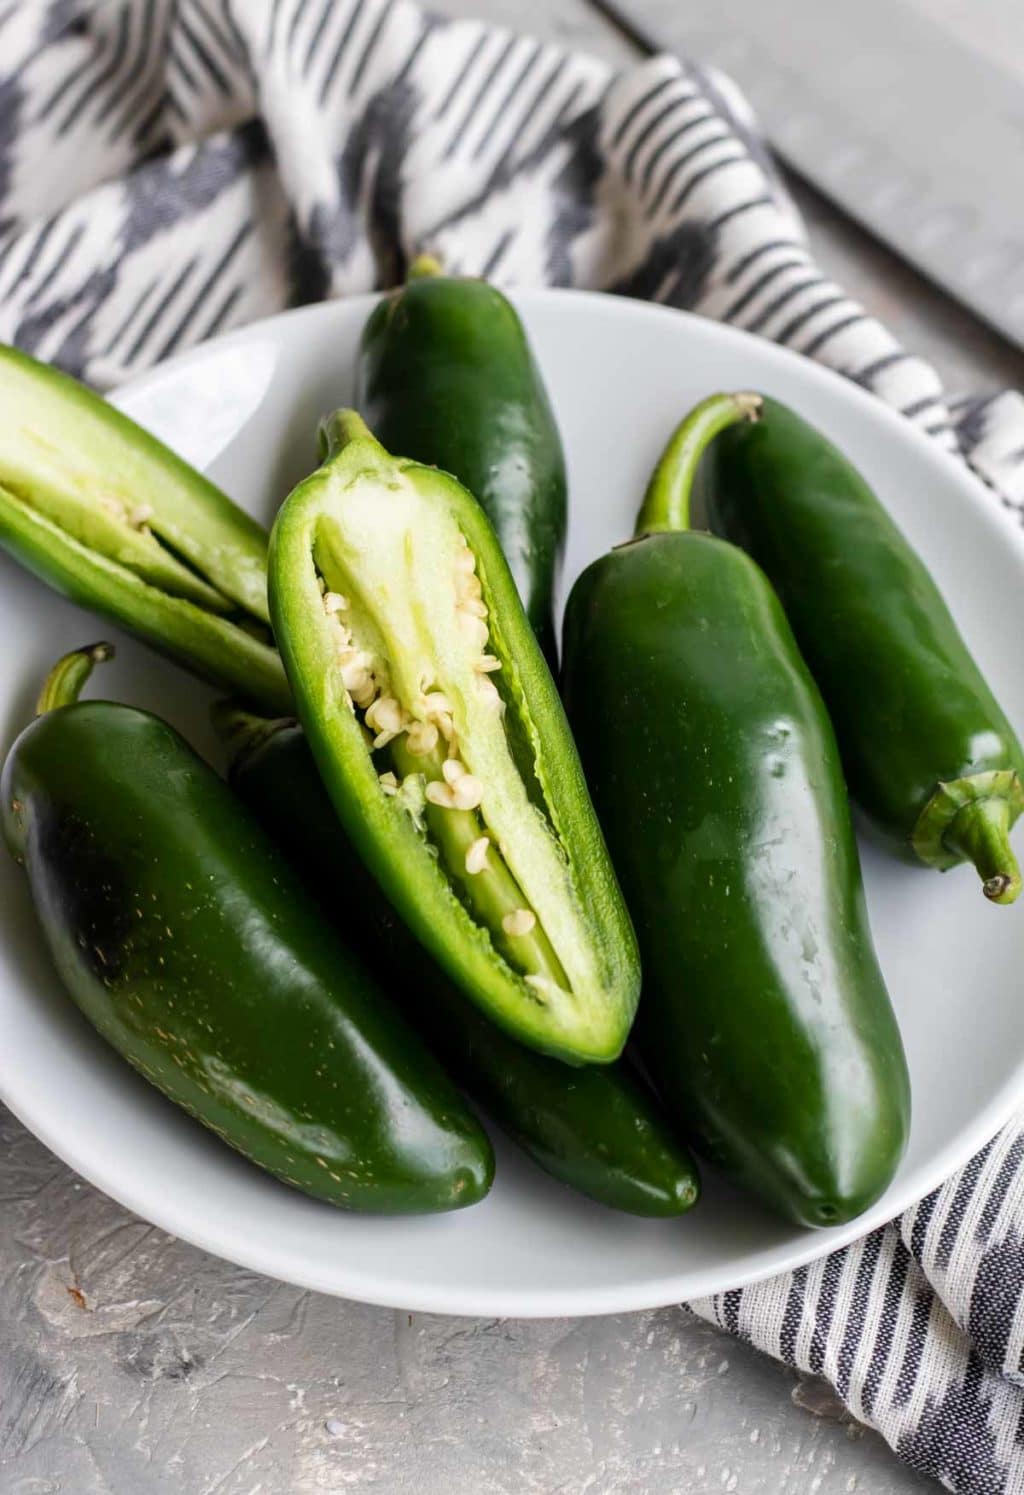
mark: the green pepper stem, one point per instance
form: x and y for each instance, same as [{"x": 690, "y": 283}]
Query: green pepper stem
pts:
[
  {"x": 64, "y": 683},
  {"x": 980, "y": 833},
  {"x": 666, "y": 504},
  {"x": 242, "y": 731},
  {"x": 423, "y": 267},
  {"x": 338, "y": 429}
]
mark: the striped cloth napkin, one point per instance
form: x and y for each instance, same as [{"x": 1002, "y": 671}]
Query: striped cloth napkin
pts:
[{"x": 172, "y": 168}]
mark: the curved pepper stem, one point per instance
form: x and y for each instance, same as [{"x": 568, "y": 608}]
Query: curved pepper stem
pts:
[
  {"x": 242, "y": 731},
  {"x": 666, "y": 504},
  {"x": 969, "y": 820},
  {"x": 65, "y": 681},
  {"x": 423, "y": 267},
  {"x": 340, "y": 428},
  {"x": 980, "y": 833}
]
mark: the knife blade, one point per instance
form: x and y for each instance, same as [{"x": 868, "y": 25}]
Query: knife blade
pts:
[{"x": 911, "y": 132}]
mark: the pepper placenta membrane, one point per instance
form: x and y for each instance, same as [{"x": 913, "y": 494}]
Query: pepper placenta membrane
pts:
[
  {"x": 186, "y": 939},
  {"x": 597, "y": 1128},
  {"x": 441, "y": 740},
  {"x": 929, "y": 756},
  {"x": 110, "y": 517},
  {"x": 446, "y": 376},
  {"x": 765, "y": 1019}
]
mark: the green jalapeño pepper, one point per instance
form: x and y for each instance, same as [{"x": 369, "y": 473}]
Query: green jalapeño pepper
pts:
[
  {"x": 111, "y": 518},
  {"x": 446, "y": 376},
  {"x": 765, "y": 1021},
  {"x": 929, "y": 756},
  {"x": 596, "y": 1128},
  {"x": 443, "y": 744},
  {"x": 185, "y": 938}
]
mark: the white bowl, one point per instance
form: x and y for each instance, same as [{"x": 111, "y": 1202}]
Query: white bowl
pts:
[{"x": 621, "y": 374}]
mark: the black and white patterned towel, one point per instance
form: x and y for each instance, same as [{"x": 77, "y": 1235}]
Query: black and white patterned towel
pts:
[{"x": 171, "y": 168}]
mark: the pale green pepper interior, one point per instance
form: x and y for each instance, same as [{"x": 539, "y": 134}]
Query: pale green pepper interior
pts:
[
  {"x": 68, "y": 456},
  {"x": 407, "y": 605}
]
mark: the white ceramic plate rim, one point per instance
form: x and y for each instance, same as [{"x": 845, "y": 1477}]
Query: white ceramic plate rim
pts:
[{"x": 246, "y": 1250}]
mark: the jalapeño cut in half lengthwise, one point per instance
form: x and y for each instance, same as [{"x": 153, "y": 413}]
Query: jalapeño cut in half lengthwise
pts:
[
  {"x": 108, "y": 516},
  {"x": 185, "y": 938},
  {"x": 440, "y": 737},
  {"x": 765, "y": 1020}
]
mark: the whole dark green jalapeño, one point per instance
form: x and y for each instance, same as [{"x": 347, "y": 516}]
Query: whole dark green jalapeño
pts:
[
  {"x": 186, "y": 939},
  {"x": 928, "y": 753},
  {"x": 446, "y": 375},
  {"x": 764, "y": 1020}
]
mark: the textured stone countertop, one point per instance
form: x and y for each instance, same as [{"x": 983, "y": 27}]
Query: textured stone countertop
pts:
[{"x": 131, "y": 1364}]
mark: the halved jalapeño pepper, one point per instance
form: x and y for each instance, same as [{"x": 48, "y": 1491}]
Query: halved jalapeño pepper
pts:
[
  {"x": 110, "y": 517},
  {"x": 185, "y": 938},
  {"x": 928, "y": 752},
  {"x": 765, "y": 1020},
  {"x": 442, "y": 742}
]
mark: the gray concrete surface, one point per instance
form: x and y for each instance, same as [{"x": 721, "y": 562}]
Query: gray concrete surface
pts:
[{"x": 131, "y": 1364}]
